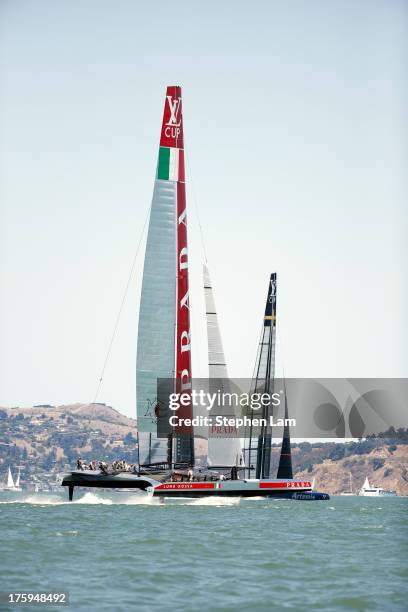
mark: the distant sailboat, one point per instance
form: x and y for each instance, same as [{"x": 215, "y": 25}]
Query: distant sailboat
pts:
[
  {"x": 368, "y": 490},
  {"x": 10, "y": 484}
]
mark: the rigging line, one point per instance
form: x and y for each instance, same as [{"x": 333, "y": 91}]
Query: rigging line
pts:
[
  {"x": 193, "y": 319},
  {"x": 115, "y": 329},
  {"x": 281, "y": 352},
  {"x": 196, "y": 207}
]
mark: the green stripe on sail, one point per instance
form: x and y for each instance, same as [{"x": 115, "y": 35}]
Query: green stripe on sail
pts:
[{"x": 164, "y": 164}]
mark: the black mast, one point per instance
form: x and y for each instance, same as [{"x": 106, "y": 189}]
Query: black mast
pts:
[{"x": 263, "y": 382}]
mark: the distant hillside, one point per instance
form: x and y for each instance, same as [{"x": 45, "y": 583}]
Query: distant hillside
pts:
[
  {"x": 386, "y": 465},
  {"x": 48, "y": 439}
]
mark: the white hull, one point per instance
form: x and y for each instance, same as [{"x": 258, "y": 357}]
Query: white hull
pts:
[
  {"x": 377, "y": 493},
  {"x": 368, "y": 490}
]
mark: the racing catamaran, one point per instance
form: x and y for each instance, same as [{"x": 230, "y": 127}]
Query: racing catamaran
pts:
[{"x": 177, "y": 465}]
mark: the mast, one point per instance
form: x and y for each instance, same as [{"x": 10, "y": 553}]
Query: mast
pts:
[
  {"x": 163, "y": 345},
  {"x": 184, "y": 449},
  {"x": 285, "y": 469},
  {"x": 263, "y": 382},
  {"x": 225, "y": 450}
]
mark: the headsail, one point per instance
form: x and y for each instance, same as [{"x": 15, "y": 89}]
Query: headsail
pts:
[
  {"x": 285, "y": 469},
  {"x": 164, "y": 305},
  {"x": 226, "y": 449}
]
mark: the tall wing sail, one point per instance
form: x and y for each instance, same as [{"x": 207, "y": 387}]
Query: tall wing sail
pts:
[
  {"x": 160, "y": 285},
  {"x": 224, "y": 447},
  {"x": 263, "y": 381}
]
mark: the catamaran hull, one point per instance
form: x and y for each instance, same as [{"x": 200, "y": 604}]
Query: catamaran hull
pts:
[
  {"x": 283, "y": 489},
  {"x": 287, "y": 494}
]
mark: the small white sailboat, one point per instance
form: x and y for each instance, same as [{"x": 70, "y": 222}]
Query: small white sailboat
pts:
[
  {"x": 368, "y": 490},
  {"x": 10, "y": 481},
  {"x": 10, "y": 484}
]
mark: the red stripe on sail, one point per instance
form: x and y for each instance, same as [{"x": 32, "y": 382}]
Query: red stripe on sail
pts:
[
  {"x": 173, "y": 114},
  {"x": 181, "y": 175},
  {"x": 172, "y": 126},
  {"x": 183, "y": 343}
]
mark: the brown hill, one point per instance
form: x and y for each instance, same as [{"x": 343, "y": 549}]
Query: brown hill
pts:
[
  {"x": 50, "y": 438},
  {"x": 383, "y": 468}
]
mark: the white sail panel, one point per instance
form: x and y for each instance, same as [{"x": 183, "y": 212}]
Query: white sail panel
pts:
[
  {"x": 10, "y": 481},
  {"x": 225, "y": 448},
  {"x": 217, "y": 367}
]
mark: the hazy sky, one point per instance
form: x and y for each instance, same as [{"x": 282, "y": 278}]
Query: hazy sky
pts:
[{"x": 295, "y": 119}]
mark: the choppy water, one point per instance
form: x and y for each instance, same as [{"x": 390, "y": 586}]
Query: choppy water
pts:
[{"x": 115, "y": 552}]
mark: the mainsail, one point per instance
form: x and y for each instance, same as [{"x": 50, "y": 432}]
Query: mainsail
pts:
[
  {"x": 164, "y": 343},
  {"x": 224, "y": 448},
  {"x": 10, "y": 481},
  {"x": 263, "y": 381}
]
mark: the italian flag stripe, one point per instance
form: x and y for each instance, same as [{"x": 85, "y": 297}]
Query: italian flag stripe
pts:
[
  {"x": 163, "y": 165},
  {"x": 171, "y": 164}
]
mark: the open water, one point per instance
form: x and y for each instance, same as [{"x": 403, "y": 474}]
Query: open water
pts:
[{"x": 120, "y": 552}]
